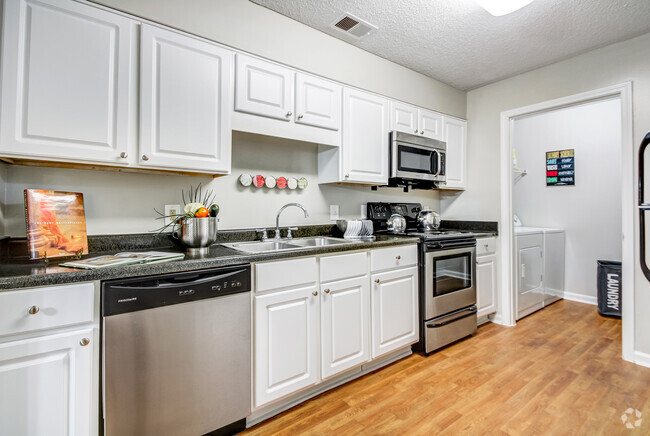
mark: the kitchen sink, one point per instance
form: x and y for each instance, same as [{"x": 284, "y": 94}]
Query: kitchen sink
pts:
[
  {"x": 319, "y": 241},
  {"x": 286, "y": 244}
]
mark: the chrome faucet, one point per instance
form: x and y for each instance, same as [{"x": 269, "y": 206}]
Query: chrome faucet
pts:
[{"x": 289, "y": 229}]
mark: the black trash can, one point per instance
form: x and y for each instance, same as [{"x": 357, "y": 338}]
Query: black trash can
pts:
[{"x": 609, "y": 288}]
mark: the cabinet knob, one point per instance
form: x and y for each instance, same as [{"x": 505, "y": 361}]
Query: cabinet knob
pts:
[
  {"x": 145, "y": 157},
  {"x": 327, "y": 291},
  {"x": 398, "y": 257},
  {"x": 315, "y": 293},
  {"x": 421, "y": 132},
  {"x": 347, "y": 176},
  {"x": 416, "y": 131},
  {"x": 124, "y": 155},
  {"x": 34, "y": 310},
  {"x": 84, "y": 342},
  {"x": 377, "y": 281},
  {"x": 289, "y": 114},
  {"x": 300, "y": 116}
]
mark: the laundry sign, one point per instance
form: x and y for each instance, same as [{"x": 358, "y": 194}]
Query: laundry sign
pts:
[{"x": 560, "y": 168}]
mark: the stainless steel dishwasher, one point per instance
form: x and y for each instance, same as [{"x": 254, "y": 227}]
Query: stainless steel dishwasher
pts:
[{"x": 176, "y": 353}]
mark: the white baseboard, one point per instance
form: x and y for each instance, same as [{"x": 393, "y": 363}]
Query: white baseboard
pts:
[
  {"x": 581, "y": 298},
  {"x": 642, "y": 359}
]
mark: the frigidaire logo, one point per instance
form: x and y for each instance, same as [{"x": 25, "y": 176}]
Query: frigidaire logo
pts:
[
  {"x": 185, "y": 292},
  {"x": 126, "y": 300}
]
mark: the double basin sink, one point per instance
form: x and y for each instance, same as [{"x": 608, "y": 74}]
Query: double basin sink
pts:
[{"x": 287, "y": 244}]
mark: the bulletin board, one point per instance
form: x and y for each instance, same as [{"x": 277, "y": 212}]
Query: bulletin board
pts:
[{"x": 560, "y": 168}]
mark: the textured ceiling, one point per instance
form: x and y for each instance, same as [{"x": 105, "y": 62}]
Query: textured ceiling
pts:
[{"x": 459, "y": 43}]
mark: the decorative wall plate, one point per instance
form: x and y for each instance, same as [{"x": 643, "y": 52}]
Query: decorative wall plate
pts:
[
  {"x": 302, "y": 183},
  {"x": 282, "y": 182},
  {"x": 292, "y": 183},
  {"x": 245, "y": 179},
  {"x": 270, "y": 182},
  {"x": 258, "y": 181}
]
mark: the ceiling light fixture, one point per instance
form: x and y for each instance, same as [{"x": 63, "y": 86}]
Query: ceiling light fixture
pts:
[{"x": 502, "y": 7}]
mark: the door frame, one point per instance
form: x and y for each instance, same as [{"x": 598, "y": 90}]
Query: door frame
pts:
[{"x": 623, "y": 92}]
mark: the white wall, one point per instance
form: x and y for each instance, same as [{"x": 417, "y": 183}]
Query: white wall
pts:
[
  {"x": 123, "y": 202},
  {"x": 590, "y": 211},
  {"x": 255, "y": 29},
  {"x": 611, "y": 65}
]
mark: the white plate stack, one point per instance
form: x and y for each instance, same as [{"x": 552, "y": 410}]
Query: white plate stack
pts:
[{"x": 359, "y": 229}]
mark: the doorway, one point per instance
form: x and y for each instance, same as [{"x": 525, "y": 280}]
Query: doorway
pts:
[{"x": 565, "y": 114}]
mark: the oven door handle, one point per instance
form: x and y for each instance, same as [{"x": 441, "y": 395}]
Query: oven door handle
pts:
[{"x": 452, "y": 317}]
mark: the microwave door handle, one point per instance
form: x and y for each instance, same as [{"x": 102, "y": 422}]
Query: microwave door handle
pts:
[{"x": 439, "y": 163}]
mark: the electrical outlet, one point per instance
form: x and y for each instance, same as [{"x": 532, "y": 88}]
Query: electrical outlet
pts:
[
  {"x": 171, "y": 211},
  {"x": 334, "y": 211}
]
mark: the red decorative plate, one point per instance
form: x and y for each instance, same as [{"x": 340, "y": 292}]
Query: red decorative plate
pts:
[
  {"x": 258, "y": 181},
  {"x": 281, "y": 182}
]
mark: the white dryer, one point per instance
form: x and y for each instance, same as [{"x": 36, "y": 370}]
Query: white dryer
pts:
[{"x": 529, "y": 285}]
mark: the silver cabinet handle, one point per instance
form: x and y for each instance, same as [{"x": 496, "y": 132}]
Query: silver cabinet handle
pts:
[
  {"x": 421, "y": 132},
  {"x": 416, "y": 131},
  {"x": 145, "y": 157},
  {"x": 289, "y": 114},
  {"x": 84, "y": 342},
  {"x": 315, "y": 293},
  {"x": 124, "y": 155},
  {"x": 377, "y": 281},
  {"x": 347, "y": 176},
  {"x": 34, "y": 310},
  {"x": 300, "y": 116},
  {"x": 327, "y": 291},
  {"x": 398, "y": 257}
]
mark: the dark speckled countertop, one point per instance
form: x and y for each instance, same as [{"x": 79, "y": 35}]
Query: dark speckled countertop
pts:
[{"x": 17, "y": 271}]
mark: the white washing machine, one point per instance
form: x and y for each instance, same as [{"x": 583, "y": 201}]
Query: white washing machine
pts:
[{"x": 548, "y": 244}]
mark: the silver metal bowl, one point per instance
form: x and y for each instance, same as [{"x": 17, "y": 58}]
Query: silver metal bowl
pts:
[{"x": 197, "y": 234}]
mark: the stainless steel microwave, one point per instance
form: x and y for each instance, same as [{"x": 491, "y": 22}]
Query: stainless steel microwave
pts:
[{"x": 414, "y": 157}]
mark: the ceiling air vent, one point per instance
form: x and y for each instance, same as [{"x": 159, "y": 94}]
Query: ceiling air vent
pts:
[{"x": 353, "y": 26}]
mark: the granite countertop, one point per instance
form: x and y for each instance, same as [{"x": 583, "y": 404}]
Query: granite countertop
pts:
[{"x": 19, "y": 272}]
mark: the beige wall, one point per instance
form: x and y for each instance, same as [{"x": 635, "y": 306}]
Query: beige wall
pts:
[
  {"x": 614, "y": 64},
  {"x": 252, "y": 28},
  {"x": 124, "y": 202}
]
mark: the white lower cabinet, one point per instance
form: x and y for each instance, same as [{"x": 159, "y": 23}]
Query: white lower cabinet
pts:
[
  {"x": 486, "y": 277},
  {"x": 344, "y": 325},
  {"x": 49, "y": 382},
  {"x": 394, "y": 310},
  {"x": 286, "y": 342}
]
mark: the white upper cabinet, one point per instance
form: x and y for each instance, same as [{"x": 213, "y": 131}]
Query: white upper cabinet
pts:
[
  {"x": 455, "y": 135},
  {"x": 66, "y": 82},
  {"x": 185, "y": 102},
  {"x": 410, "y": 119},
  {"x": 263, "y": 88},
  {"x": 318, "y": 102},
  {"x": 365, "y": 138}
]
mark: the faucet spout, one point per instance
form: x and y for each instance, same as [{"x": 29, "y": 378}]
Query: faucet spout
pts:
[{"x": 277, "y": 217}]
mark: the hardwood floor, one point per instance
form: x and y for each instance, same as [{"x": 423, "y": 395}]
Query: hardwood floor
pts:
[{"x": 558, "y": 372}]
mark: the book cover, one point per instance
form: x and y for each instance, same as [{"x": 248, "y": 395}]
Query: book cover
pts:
[{"x": 56, "y": 223}]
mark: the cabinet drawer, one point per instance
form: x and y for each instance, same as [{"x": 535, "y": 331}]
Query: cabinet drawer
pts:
[
  {"x": 386, "y": 258},
  {"x": 52, "y": 307},
  {"x": 343, "y": 266},
  {"x": 285, "y": 273},
  {"x": 486, "y": 246}
]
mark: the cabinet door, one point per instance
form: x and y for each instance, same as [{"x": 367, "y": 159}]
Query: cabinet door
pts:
[
  {"x": 486, "y": 285},
  {"x": 185, "y": 95},
  {"x": 345, "y": 310},
  {"x": 454, "y": 133},
  {"x": 46, "y": 385},
  {"x": 263, "y": 88},
  {"x": 403, "y": 118},
  {"x": 318, "y": 102},
  {"x": 430, "y": 124},
  {"x": 394, "y": 300},
  {"x": 365, "y": 138},
  {"x": 66, "y": 82},
  {"x": 286, "y": 342}
]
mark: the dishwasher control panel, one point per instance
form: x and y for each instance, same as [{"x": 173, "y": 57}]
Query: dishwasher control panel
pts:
[{"x": 141, "y": 293}]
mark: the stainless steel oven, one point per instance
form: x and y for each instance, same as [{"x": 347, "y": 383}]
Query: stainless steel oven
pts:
[
  {"x": 449, "y": 291},
  {"x": 415, "y": 157}
]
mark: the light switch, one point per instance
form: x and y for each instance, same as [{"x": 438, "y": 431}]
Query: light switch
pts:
[
  {"x": 334, "y": 211},
  {"x": 171, "y": 212}
]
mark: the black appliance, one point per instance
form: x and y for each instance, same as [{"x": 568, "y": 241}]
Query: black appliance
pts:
[{"x": 447, "y": 277}]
